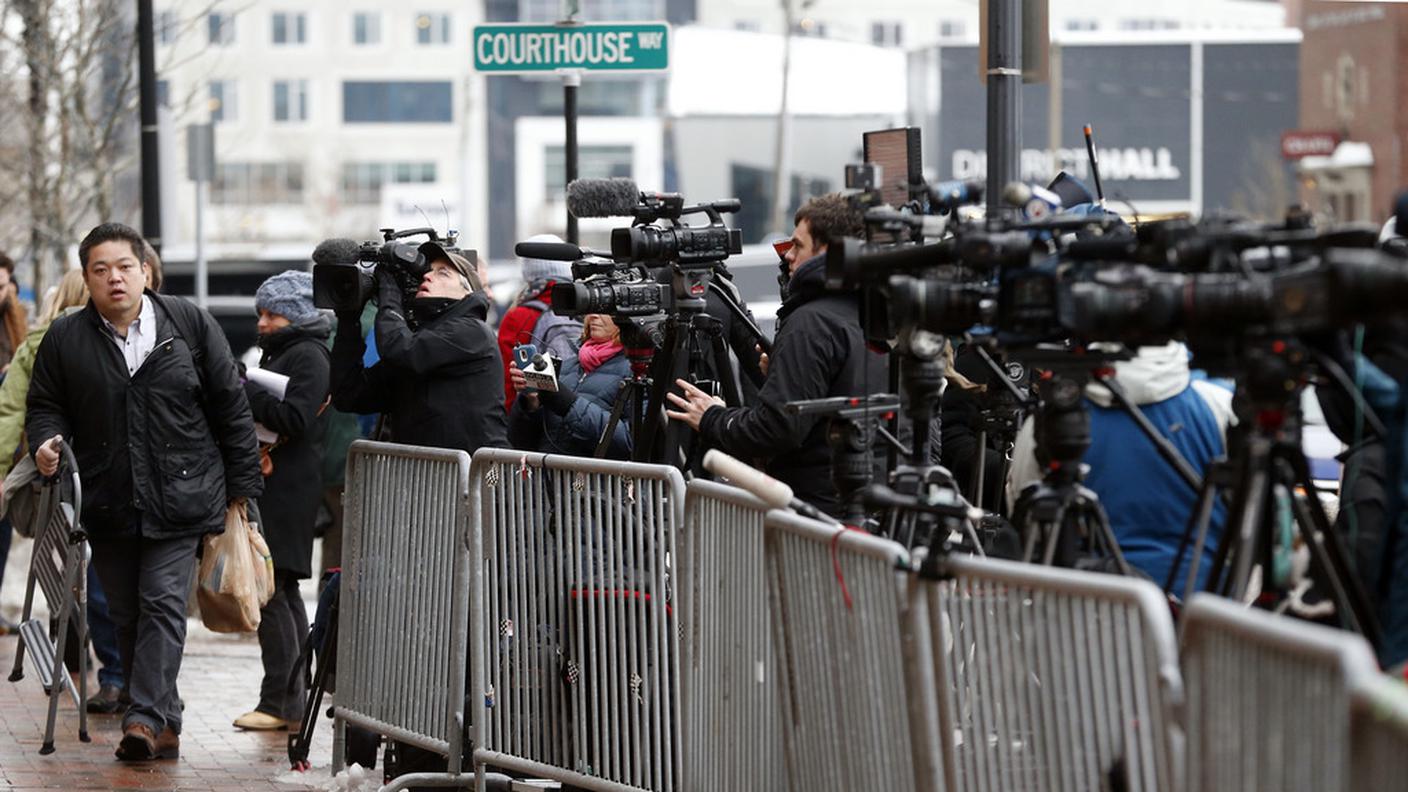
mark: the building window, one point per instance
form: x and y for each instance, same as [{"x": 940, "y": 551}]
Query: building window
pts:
[
  {"x": 952, "y": 29},
  {"x": 1148, "y": 24},
  {"x": 1082, "y": 25},
  {"x": 257, "y": 183},
  {"x": 432, "y": 28},
  {"x": 221, "y": 29},
  {"x": 362, "y": 181},
  {"x": 290, "y": 100},
  {"x": 290, "y": 28},
  {"x": 224, "y": 101},
  {"x": 368, "y": 102},
  {"x": 165, "y": 24},
  {"x": 885, "y": 34},
  {"x": 163, "y": 93},
  {"x": 593, "y": 162},
  {"x": 366, "y": 28},
  {"x": 592, "y": 10}
]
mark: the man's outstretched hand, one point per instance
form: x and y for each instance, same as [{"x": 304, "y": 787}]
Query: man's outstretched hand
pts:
[
  {"x": 692, "y": 405},
  {"x": 47, "y": 457}
]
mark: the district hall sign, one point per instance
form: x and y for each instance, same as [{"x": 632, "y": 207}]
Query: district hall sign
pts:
[{"x": 606, "y": 46}]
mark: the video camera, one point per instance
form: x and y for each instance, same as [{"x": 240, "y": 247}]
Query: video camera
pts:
[{"x": 344, "y": 271}]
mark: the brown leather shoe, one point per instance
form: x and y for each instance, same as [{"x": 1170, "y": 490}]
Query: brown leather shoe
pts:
[
  {"x": 168, "y": 745},
  {"x": 138, "y": 743}
]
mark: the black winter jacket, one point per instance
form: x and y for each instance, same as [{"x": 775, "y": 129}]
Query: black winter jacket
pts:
[
  {"x": 293, "y": 491},
  {"x": 820, "y": 351},
  {"x": 441, "y": 385},
  {"x": 161, "y": 451},
  {"x": 577, "y": 430}
]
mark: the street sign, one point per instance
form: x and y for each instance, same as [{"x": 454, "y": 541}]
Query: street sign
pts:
[
  {"x": 604, "y": 46},
  {"x": 200, "y": 152},
  {"x": 1301, "y": 143}
]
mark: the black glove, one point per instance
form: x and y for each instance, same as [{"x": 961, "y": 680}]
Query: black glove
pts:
[
  {"x": 387, "y": 291},
  {"x": 559, "y": 401}
]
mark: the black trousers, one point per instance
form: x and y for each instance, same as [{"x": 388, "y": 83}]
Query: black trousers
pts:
[
  {"x": 147, "y": 582},
  {"x": 283, "y": 627}
]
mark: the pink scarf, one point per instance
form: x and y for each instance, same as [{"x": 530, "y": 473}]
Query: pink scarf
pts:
[{"x": 594, "y": 353}]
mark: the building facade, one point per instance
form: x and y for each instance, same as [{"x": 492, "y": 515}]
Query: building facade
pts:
[{"x": 1353, "y": 58}]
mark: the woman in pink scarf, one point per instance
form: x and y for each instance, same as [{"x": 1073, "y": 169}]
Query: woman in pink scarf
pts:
[{"x": 572, "y": 419}]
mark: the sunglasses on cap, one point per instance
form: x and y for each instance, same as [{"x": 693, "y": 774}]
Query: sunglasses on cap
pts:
[{"x": 782, "y": 247}]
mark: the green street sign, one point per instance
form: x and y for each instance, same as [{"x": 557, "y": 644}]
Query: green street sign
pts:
[{"x": 606, "y": 46}]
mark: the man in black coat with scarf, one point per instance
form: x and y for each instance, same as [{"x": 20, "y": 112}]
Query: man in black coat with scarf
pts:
[
  {"x": 293, "y": 334},
  {"x": 440, "y": 382},
  {"x": 145, "y": 390},
  {"x": 820, "y": 351}
]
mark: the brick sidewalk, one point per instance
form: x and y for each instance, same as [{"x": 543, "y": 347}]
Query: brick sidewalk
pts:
[{"x": 219, "y": 682}]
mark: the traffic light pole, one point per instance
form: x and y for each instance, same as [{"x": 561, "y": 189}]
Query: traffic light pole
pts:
[
  {"x": 1004, "y": 80},
  {"x": 151, "y": 174}
]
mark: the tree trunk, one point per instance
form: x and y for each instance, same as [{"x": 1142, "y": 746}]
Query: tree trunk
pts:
[{"x": 35, "y": 39}]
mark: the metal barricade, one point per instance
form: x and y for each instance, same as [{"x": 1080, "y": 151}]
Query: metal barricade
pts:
[
  {"x": 733, "y": 721},
  {"x": 1379, "y": 733},
  {"x": 59, "y": 569},
  {"x": 408, "y": 592},
  {"x": 839, "y": 604},
  {"x": 579, "y": 679},
  {"x": 1268, "y": 699},
  {"x": 1053, "y": 679}
]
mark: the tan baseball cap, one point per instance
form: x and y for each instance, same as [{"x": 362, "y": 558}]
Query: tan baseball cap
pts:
[{"x": 435, "y": 251}]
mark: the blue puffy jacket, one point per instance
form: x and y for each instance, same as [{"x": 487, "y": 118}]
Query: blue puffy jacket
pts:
[{"x": 577, "y": 432}]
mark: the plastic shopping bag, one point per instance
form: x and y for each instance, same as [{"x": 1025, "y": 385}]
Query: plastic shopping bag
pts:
[{"x": 236, "y": 575}]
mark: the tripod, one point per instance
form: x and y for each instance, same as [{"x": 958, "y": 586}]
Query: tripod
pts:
[
  {"x": 1059, "y": 513},
  {"x": 681, "y": 355},
  {"x": 1269, "y": 476}
]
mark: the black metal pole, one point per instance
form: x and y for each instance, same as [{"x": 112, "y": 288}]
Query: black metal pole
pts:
[
  {"x": 1004, "y": 78},
  {"x": 569, "y": 114},
  {"x": 151, "y": 176}
]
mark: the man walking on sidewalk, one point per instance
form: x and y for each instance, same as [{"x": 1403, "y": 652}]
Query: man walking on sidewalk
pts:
[{"x": 145, "y": 390}]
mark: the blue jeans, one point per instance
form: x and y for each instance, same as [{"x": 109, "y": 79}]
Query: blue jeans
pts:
[{"x": 103, "y": 632}]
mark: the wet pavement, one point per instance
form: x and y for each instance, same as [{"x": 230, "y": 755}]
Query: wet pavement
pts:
[{"x": 219, "y": 682}]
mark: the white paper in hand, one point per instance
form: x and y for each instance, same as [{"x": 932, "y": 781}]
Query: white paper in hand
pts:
[{"x": 270, "y": 381}]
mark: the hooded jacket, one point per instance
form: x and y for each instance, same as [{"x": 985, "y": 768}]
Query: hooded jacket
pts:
[
  {"x": 1146, "y": 501},
  {"x": 576, "y": 431},
  {"x": 820, "y": 351},
  {"x": 440, "y": 385}
]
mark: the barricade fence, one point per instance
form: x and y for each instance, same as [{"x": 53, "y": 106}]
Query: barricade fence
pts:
[
  {"x": 1269, "y": 699},
  {"x": 1053, "y": 679},
  {"x": 733, "y": 718},
  {"x": 838, "y": 605},
  {"x": 407, "y": 593},
  {"x": 580, "y": 676},
  {"x": 614, "y": 634},
  {"x": 1379, "y": 733}
]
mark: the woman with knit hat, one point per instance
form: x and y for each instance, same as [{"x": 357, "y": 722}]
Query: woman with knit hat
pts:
[{"x": 293, "y": 335}]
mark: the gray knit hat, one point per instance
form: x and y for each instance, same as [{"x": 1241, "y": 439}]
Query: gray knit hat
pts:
[
  {"x": 540, "y": 270},
  {"x": 288, "y": 294}
]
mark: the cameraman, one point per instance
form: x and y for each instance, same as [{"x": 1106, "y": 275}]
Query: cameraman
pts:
[
  {"x": 439, "y": 381},
  {"x": 820, "y": 351}
]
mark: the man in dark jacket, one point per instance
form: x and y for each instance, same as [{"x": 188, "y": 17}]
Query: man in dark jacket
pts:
[
  {"x": 440, "y": 383},
  {"x": 145, "y": 390},
  {"x": 820, "y": 351}
]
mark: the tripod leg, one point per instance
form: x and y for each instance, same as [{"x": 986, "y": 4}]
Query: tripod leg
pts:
[
  {"x": 978, "y": 470},
  {"x": 661, "y": 372},
  {"x": 1328, "y": 553},
  {"x": 1197, "y": 526},
  {"x": 1249, "y": 530},
  {"x": 728, "y": 379},
  {"x": 678, "y": 369},
  {"x": 1096, "y": 513},
  {"x": 618, "y": 407}
]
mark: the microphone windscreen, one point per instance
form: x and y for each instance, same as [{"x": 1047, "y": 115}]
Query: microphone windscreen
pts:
[
  {"x": 337, "y": 251},
  {"x": 603, "y": 197},
  {"x": 1016, "y": 194},
  {"x": 549, "y": 251}
]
